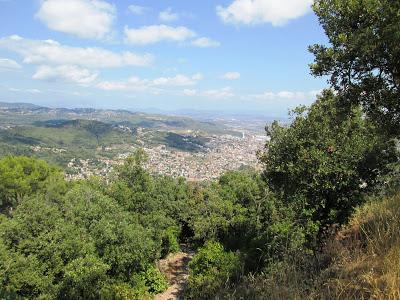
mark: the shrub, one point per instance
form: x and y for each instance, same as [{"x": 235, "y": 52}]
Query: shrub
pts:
[
  {"x": 170, "y": 242},
  {"x": 123, "y": 291},
  {"x": 212, "y": 268},
  {"x": 151, "y": 277}
]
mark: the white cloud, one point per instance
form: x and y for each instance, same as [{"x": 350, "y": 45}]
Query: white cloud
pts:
[
  {"x": 137, "y": 9},
  {"x": 71, "y": 74},
  {"x": 221, "y": 93},
  {"x": 136, "y": 83},
  {"x": 225, "y": 92},
  {"x": 34, "y": 91},
  {"x": 286, "y": 95},
  {"x": 52, "y": 52},
  {"x": 315, "y": 93},
  {"x": 198, "y": 76},
  {"x": 168, "y": 15},
  {"x": 231, "y": 75},
  {"x": 190, "y": 92},
  {"x": 120, "y": 86},
  {"x": 29, "y": 91},
  {"x": 91, "y": 19},
  {"x": 178, "y": 80},
  {"x": 204, "y": 42},
  {"x": 276, "y": 12},
  {"x": 156, "y": 33},
  {"x": 9, "y": 64}
]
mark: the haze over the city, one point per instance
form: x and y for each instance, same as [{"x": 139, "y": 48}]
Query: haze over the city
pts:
[{"x": 234, "y": 56}]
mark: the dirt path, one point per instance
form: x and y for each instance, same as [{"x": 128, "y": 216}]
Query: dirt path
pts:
[{"x": 175, "y": 268}]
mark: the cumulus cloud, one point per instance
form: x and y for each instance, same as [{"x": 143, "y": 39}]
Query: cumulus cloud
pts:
[
  {"x": 91, "y": 19},
  {"x": 276, "y": 12},
  {"x": 156, "y": 33},
  {"x": 137, "y": 9},
  {"x": 9, "y": 64},
  {"x": 136, "y": 83},
  {"x": 231, "y": 75},
  {"x": 71, "y": 74},
  {"x": 178, "y": 80},
  {"x": 204, "y": 42},
  {"x": 168, "y": 15},
  {"x": 190, "y": 92},
  {"x": 286, "y": 95},
  {"x": 221, "y": 93},
  {"x": 133, "y": 83},
  {"x": 225, "y": 92},
  {"x": 52, "y": 52},
  {"x": 29, "y": 91}
]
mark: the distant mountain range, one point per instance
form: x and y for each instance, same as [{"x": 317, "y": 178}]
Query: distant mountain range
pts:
[
  {"x": 28, "y": 114},
  {"x": 61, "y": 134},
  {"x": 10, "y": 105},
  {"x": 203, "y": 115},
  {"x": 212, "y": 122}
]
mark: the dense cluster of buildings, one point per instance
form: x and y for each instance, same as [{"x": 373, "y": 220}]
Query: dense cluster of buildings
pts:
[
  {"x": 49, "y": 149},
  {"x": 222, "y": 153}
]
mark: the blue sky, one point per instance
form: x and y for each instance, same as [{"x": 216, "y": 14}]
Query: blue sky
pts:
[{"x": 222, "y": 55}]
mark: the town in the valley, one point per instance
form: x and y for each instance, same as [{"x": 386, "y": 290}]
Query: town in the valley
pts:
[{"x": 222, "y": 153}]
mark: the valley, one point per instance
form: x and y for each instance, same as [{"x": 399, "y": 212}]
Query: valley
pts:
[{"x": 87, "y": 142}]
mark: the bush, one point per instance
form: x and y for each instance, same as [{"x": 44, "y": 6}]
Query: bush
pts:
[
  {"x": 170, "y": 242},
  {"x": 212, "y": 268},
  {"x": 123, "y": 291},
  {"x": 83, "y": 278},
  {"x": 153, "y": 280}
]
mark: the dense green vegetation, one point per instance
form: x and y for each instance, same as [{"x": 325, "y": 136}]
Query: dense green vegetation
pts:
[
  {"x": 362, "y": 60},
  {"x": 327, "y": 160},
  {"x": 74, "y": 240},
  {"x": 321, "y": 221},
  {"x": 76, "y": 138},
  {"x": 61, "y": 140}
]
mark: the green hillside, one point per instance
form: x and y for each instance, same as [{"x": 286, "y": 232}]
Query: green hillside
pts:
[
  {"x": 79, "y": 138},
  {"x": 28, "y": 114}
]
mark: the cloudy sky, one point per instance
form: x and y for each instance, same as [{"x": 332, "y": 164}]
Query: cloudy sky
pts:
[{"x": 216, "y": 55}]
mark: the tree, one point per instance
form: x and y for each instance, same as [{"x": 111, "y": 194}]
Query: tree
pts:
[
  {"x": 132, "y": 183},
  {"x": 120, "y": 241},
  {"x": 363, "y": 59},
  {"x": 325, "y": 161},
  {"x": 83, "y": 278},
  {"x": 21, "y": 176},
  {"x": 209, "y": 215}
]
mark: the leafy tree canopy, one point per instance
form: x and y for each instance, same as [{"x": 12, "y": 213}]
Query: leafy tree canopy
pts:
[
  {"x": 21, "y": 176},
  {"x": 363, "y": 58},
  {"x": 325, "y": 160}
]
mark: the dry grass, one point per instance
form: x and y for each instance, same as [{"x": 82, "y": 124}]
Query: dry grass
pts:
[
  {"x": 360, "y": 261},
  {"x": 366, "y": 255}
]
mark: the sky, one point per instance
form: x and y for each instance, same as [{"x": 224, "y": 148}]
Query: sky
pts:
[{"x": 230, "y": 56}]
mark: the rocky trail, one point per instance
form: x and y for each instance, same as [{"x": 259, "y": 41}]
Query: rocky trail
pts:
[{"x": 175, "y": 268}]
